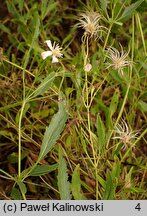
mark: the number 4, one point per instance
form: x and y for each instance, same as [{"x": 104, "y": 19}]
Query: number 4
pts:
[{"x": 138, "y": 207}]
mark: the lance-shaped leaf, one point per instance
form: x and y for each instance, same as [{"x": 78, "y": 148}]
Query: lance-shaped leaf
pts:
[
  {"x": 15, "y": 194},
  {"x": 63, "y": 183},
  {"x": 103, "y": 4},
  {"x": 130, "y": 9},
  {"x": 109, "y": 187},
  {"x": 54, "y": 130},
  {"x": 22, "y": 187},
  {"x": 43, "y": 169},
  {"x": 76, "y": 184},
  {"x": 101, "y": 133},
  {"x": 113, "y": 107},
  {"x": 44, "y": 86}
]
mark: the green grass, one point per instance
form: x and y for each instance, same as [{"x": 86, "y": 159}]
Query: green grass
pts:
[{"x": 58, "y": 121}]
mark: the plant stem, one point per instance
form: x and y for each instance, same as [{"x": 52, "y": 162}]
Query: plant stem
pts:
[
  {"x": 109, "y": 30},
  {"x": 141, "y": 32},
  {"x": 129, "y": 84},
  {"x": 19, "y": 138},
  {"x": 17, "y": 66}
]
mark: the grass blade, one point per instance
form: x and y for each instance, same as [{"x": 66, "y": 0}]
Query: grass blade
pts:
[{"x": 142, "y": 106}]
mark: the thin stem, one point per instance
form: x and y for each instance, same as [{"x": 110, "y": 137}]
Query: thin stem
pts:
[
  {"x": 17, "y": 66},
  {"x": 133, "y": 45},
  {"x": 113, "y": 19},
  {"x": 141, "y": 32},
  {"x": 129, "y": 84},
  {"x": 95, "y": 163},
  {"x": 21, "y": 113},
  {"x": 120, "y": 11},
  {"x": 120, "y": 113},
  {"x": 19, "y": 138},
  {"x": 107, "y": 37},
  {"x": 94, "y": 94},
  {"x": 63, "y": 77},
  {"x": 7, "y": 174},
  {"x": 23, "y": 195}
]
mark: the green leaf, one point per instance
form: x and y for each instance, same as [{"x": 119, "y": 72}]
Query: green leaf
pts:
[
  {"x": 116, "y": 169},
  {"x": 4, "y": 29},
  {"x": 12, "y": 9},
  {"x": 37, "y": 28},
  {"x": 41, "y": 114},
  {"x": 44, "y": 86},
  {"x": 101, "y": 181},
  {"x": 46, "y": 7},
  {"x": 76, "y": 184},
  {"x": 114, "y": 102},
  {"x": 15, "y": 194},
  {"x": 135, "y": 190},
  {"x": 34, "y": 38},
  {"x": 142, "y": 106},
  {"x": 142, "y": 7},
  {"x": 13, "y": 157},
  {"x": 43, "y": 169},
  {"x": 63, "y": 183},
  {"x": 21, "y": 5},
  {"x": 104, "y": 4},
  {"x": 117, "y": 151},
  {"x": 112, "y": 107},
  {"x": 130, "y": 9},
  {"x": 22, "y": 187},
  {"x": 54, "y": 130},
  {"x": 101, "y": 133},
  {"x": 26, "y": 108},
  {"x": 101, "y": 105},
  {"x": 109, "y": 188}
]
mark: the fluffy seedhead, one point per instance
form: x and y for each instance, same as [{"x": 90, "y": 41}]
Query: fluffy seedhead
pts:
[
  {"x": 124, "y": 133},
  {"x": 118, "y": 59},
  {"x": 89, "y": 21}
]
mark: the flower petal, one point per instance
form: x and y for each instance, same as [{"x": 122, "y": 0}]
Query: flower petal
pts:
[
  {"x": 54, "y": 59},
  {"x": 46, "y": 54},
  {"x": 49, "y": 44}
]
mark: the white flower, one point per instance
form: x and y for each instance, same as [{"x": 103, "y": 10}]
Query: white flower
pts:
[
  {"x": 55, "y": 51},
  {"x": 89, "y": 21},
  {"x": 124, "y": 133},
  {"x": 118, "y": 59}
]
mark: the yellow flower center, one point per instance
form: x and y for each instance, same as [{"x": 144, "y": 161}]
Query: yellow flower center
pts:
[{"x": 56, "y": 52}]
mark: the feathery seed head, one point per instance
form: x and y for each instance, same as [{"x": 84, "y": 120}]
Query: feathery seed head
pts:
[
  {"x": 124, "y": 133},
  {"x": 118, "y": 59},
  {"x": 89, "y": 21}
]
